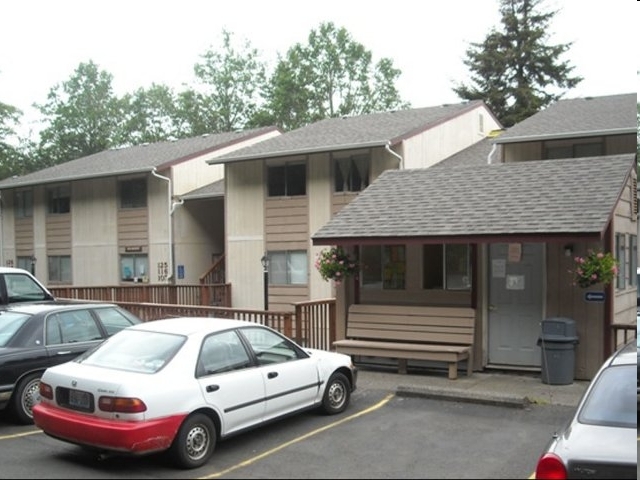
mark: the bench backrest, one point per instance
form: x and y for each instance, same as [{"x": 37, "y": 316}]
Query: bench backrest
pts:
[{"x": 447, "y": 325}]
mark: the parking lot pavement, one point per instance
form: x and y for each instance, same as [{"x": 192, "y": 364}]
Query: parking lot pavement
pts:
[{"x": 489, "y": 387}]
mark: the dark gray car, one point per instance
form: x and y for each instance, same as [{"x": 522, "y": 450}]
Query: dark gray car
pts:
[{"x": 35, "y": 336}]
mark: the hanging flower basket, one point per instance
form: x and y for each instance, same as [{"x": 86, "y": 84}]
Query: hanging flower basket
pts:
[
  {"x": 596, "y": 267},
  {"x": 334, "y": 264}
]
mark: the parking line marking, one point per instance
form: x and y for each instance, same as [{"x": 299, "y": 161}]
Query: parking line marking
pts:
[
  {"x": 17, "y": 435},
  {"x": 303, "y": 437}
]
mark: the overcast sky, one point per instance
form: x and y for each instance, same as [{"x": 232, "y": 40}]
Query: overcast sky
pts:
[{"x": 139, "y": 42}]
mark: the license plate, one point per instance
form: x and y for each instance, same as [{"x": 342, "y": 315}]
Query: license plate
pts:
[{"x": 78, "y": 399}]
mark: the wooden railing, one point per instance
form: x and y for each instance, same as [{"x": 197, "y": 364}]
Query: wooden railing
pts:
[
  {"x": 201, "y": 294},
  {"x": 311, "y": 324},
  {"x": 216, "y": 274}
]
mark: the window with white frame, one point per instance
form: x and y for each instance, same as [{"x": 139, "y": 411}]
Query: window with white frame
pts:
[
  {"x": 446, "y": 267},
  {"x": 133, "y": 193},
  {"x": 633, "y": 260},
  {"x": 59, "y": 199},
  {"x": 59, "y": 268},
  {"x": 288, "y": 267},
  {"x": 383, "y": 266},
  {"x": 134, "y": 268},
  {"x": 287, "y": 180},
  {"x": 23, "y": 203},
  {"x": 352, "y": 173},
  {"x": 622, "y": 260},
  {"x": 24, "y": 263}
]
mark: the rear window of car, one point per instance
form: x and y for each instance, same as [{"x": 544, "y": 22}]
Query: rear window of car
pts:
[
  {"x": 10, "y": 324},
  {"x": 115, "y": 319},
  {"x": 612, "y": 399},
  {"x": 135, "y": 351}
]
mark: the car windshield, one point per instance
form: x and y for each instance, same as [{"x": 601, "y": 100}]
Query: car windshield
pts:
[
  {"x": 22, "y": 288},
  {"x": 135, "y": 351},
  {"x": 611, "y": 401},
  {"x": 10, "y": 323}
]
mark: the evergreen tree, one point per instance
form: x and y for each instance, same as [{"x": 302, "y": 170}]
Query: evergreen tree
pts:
[{"x": 514, "y": 71}]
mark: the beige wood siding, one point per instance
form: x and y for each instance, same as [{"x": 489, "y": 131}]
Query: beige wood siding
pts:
[
  {"x": 58, "y": 228},
  {"x": 23, "y": 239},
  {"x": 133, "y": 228},
  {"x": 244, "y": 224},
  {"x": 437, "y": 143}
]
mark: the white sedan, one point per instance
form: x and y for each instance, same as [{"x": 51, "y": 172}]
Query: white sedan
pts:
[{"x": 181, "y": 384}]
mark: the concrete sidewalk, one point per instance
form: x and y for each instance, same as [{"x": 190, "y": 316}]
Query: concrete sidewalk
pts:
[{"x": 489, "y": 387}]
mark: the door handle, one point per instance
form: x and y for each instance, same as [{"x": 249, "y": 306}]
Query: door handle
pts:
[
  {"x": 272, "y": 374},
  {"x": 212, "y": 388}
]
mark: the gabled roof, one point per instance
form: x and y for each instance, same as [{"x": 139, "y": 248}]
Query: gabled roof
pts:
[
  {"x": 136, "y": 159},
  {"x": 478, "y": 203},
  {"x": 575, "y": 118},
  {"x": 212, "y": 190},
  {"x": 475, "y": 154},
  {"x": 363, "y": 131}
]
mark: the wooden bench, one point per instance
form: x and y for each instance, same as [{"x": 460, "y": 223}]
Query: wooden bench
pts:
[{"x": 411, "y": 332}]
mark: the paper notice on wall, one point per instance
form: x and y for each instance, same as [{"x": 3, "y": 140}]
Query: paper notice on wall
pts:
[
  {"x": 499, "y": 268},
  {"x": 515, "y": 282},
  {"x": 515, "y": 252}
]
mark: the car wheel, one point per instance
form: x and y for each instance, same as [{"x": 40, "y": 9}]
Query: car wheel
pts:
[
  {"x": 25, "y": 396},
  {"x": 195, "y": 441},
  {"x": 337, "y": 394}
]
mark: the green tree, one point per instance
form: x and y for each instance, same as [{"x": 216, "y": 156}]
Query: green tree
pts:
[
  {"x": 229, "y": 94},
  {"x": 331, "y": 76},
  {"x": 10, "y": 156},
  {"x": 514, "y": 70},
  {"x": 151, "y": 116},
  {"x": 82, "y": 116}
]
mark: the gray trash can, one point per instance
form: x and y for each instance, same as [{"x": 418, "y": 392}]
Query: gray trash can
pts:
[{"x": 557, "y": 347}]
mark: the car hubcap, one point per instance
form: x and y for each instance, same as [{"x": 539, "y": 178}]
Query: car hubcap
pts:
[
  {"x": 31, "y": 397},
  {"x": 336, "y": 394},
  {"x": 197, "y": 442}
]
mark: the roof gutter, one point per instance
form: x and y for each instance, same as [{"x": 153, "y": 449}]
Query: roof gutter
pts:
[
  {"x": 170, "y": 209},
  {"x": 560, "y": 136}
]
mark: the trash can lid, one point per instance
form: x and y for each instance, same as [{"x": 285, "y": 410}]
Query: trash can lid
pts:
[{"x": 558, "y": 338}]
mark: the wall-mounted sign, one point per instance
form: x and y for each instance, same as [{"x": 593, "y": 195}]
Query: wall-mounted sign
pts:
[
  {"x": 515, "y": 252},
  {"x": 499, "y": 268},
  {"x": 594, "y": 296},
  {"x": 132, "y": 249},
  {"x": 515, "y": 282}
]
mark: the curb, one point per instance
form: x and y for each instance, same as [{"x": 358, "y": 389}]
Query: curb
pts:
[{"x": 486, "y": 398}]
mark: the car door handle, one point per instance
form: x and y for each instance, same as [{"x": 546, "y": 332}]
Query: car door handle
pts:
[
  {"x": 212, "y": 388},
  {"x": 272, "y": 374},
  {"x": 63, "y": 352}
]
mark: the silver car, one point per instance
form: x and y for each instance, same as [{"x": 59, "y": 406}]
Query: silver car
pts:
[{"x": 599, "y": 441}]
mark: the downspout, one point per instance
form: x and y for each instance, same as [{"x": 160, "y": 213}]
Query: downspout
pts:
[
  {"x": 170, "y": 208},
  {"x": 401, "y": 161},
  {"x": 493, "y": 149}
]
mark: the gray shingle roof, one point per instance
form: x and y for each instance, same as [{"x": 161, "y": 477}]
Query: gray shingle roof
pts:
[
  {"x": 139, "y": 158},
  {"x": 372, "y": 130},
  {"x": 212, "y": 190},
  {"x": 533, "y": 198},
  {"x": 475, "y": 154},
  {"x": 589, "y": 116}
]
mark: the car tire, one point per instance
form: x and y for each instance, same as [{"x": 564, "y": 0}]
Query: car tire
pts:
[
  {"x": 337, "y": 394},
  {"x": 195, "y": 441},
  {"x": 25, "y": 396}
]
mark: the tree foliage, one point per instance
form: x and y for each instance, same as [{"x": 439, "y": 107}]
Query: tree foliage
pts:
[
  {"x": 230, "y": 82},
  {"x": 331, "y": 76},
  {"x": 514, "y": 70},
  {"x": 83, "y": 115}
]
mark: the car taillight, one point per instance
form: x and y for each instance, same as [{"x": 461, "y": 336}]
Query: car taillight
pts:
[
  {"x": 121, "y": 405},
  {"x": 45, "y": 390},
  {"x": 550, "y": 467}
]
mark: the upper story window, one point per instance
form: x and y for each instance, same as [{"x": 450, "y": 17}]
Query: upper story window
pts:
[
  {"x": 352, "y": 173},
  {"x": 133, "y": 193},
  {"x": 574, "y": 150},
  {"x": 446, "y": 267},
  {"x": 287, "y": 180},
  {"x": 23, "y": 203},
  {"x": 383, "y": 266},
  {"x": 59, "y": 199},
  {"x": 622, "y": 260}
]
